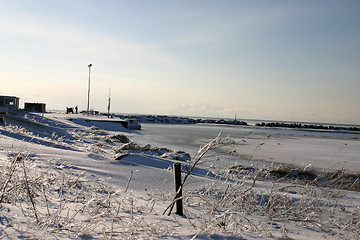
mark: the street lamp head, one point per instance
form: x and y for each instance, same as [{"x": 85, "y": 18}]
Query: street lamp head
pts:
[{"x": 90, "y": 65}]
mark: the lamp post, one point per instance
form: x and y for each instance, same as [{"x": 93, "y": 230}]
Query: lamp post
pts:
[{"x": 88, "y": 100}]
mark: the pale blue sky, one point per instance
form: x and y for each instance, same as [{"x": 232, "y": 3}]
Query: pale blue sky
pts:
[{"x": 280, "y": 60}]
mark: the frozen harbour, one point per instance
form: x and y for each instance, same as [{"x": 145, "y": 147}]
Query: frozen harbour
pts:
[
  {"x": 125, "y": 198},
  {"x": 324, "y": 150}
]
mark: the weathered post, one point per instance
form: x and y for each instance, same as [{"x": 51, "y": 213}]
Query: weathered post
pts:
[{"x": 178, "y": 189}]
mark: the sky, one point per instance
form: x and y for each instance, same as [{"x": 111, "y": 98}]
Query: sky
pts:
[{"x": 258, "y": 59}]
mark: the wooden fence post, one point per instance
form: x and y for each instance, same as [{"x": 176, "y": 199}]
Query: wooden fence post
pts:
[{"x": 178, "y": 189}]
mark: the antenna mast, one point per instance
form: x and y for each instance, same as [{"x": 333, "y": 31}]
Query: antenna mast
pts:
[{"x": 109, "y": 103}]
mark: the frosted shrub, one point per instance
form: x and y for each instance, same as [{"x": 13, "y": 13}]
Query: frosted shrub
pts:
[
  {"x": 238, "y": 205},
  {"x": 58, "y": 199},
  {"x": 18, "y": 130},
  {"x": 119, "y": 138}
]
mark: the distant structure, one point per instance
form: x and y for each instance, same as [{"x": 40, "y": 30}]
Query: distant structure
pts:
[
  {"x": 35, "y": 107},
  {"x": 109, "y": 100},
  {"x": 132, "y": 124},
  {"x": 9, "y": 103}
]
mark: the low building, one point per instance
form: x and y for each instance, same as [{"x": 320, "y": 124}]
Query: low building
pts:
[
  {"x": 9, "y": 103},
  {"x": 35, "y": 107}
]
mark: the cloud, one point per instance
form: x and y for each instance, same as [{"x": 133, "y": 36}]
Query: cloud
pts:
[
  {"x": 210, "y": 25},
  {"x": 55, "y": 39},
  {"x": 198, "y": 109}
]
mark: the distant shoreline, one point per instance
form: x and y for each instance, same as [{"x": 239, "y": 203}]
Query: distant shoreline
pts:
[
  {"x": 307, "y": 126},
  {"x": 169, "y": 119},
  {"x": 164, "y": 119}
]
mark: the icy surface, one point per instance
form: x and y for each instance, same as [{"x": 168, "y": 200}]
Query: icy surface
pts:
[{"x": 80, "y": 184}]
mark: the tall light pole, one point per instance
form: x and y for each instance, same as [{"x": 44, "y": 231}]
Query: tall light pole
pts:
[{"x": 88, "y": 102}]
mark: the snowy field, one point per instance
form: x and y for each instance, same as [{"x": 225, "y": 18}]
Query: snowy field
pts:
[{"x": 69, "y": 177}]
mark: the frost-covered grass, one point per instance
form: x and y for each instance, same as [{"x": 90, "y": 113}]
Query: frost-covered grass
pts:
[
  {"x": 44, "y": 196},
  {"x": 244, "y": 206},
  {"x": 240, "y": 208},
  {"x": 338, "y": 179}
]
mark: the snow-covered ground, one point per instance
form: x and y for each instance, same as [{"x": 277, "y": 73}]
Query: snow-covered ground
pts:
[{"x": 68, "y": 177}]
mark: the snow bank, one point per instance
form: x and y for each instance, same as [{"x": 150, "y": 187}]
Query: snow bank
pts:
[{"x": 62, "y": 181}]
